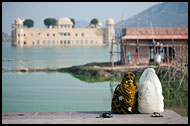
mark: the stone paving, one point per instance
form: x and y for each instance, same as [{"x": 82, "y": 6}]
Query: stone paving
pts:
[{"x": 170, "y": 117}]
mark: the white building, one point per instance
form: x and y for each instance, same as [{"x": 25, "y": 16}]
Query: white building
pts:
[{"x": 62, "y": 34}]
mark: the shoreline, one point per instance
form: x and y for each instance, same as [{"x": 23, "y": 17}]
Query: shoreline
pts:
[
  {"x": 105, "y": 66},
  {"x": 91, "y": 72}
]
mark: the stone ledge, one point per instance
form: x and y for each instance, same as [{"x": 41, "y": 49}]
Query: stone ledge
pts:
[{"x": 170, "y": 117}]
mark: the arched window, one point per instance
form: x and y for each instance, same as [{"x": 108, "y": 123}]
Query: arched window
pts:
[
  {"x": 77, "y": 41},
  {"x": 91, "y": 41},
  {"x": 86, "y": 41},
  {"x": 25, "y": 43},
  {"x": 48, "y": 42},
  {"x": 44, "y": 42},
  {"x": 38, "y": 42},
  {"x": 53, "y": 42},
  {"x": 81, "y": 42}
]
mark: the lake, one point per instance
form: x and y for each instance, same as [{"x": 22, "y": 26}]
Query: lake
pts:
[
  {"x": 52, "y": 92},
  {"x": 44, "y": 57},
  {"x": 61, "y": 92}
]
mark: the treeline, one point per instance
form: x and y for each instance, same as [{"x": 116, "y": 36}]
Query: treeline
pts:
[{"x": 52, "y": 22}]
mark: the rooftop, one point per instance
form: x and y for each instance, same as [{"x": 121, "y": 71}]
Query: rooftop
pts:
[{"x": 156, "y": 33}]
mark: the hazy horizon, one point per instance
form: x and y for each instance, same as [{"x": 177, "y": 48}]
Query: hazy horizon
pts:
[{"x": 38, "y": 11}]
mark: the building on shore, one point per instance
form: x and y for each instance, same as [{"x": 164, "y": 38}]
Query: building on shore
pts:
[
  {"x": 145, "y": 45},
  {"x": 5, "y": 37},
  {"x": 62, "y": 34}
]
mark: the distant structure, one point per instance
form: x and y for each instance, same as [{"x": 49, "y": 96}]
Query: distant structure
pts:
[
  {"x": 6, "y": 37},
  {"x": 161, "y": 44},
  {"x": 62, "y": 34}
]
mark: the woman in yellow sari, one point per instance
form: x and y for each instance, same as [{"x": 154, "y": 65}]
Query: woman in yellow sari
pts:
[{"x": 124, "y": 99}]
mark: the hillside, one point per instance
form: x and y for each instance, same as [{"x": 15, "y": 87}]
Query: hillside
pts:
[
  {"x": 4, "y": 34},
  {"x": 167, "y": 14}
]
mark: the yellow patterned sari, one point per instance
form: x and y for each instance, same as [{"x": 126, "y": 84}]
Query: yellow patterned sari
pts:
[{"x": 124, "y": 99}]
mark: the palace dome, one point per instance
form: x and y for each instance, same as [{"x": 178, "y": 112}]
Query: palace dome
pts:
[
  {"x": 109, "y": 21},
  {"x": 99, "y": 24},
  {"x": 19, "y": 21},
  {"x": 64, "y": 21}
]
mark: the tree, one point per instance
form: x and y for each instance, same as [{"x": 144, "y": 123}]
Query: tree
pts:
[
  {"x": 94, "y": 21},
  {"x": 50, "y": 21},
  {"x": 29, "y": 23},
  {"x": 73, "y": 20}
]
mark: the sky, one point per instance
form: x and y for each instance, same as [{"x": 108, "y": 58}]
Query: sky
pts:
[{"x": 38, "y": 11}]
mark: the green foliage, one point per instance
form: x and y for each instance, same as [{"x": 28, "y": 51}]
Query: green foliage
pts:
[
  {"x": 29, "y": 23},
  {"x": 23, "y": 70},
  {"x": 50, "y": 21},
  {"x": 153, "y": 63},
  {"x": 73, "y": 20},
  {"x": 94, "y": 79},
  {"x": 90, "y": 74},
  {"x": 94, "y": 21}
]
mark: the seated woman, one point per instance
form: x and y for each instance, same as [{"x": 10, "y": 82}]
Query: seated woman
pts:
[
  {"x": 124, "y": 99},
  {"x": 150, "y": 98}
]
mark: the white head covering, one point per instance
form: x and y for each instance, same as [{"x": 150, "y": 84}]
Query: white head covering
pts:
[{"x": 150, "y": 93}]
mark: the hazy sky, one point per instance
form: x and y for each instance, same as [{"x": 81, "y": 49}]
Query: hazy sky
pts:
[{"x": 38, "y": 11}]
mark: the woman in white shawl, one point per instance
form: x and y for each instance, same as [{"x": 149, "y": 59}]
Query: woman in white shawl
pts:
[{"x": 150, "y": 98}]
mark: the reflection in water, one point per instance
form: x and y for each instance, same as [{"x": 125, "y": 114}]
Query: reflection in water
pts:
[
  {"x": 60, "y": 91},
  {"x": 111, "y": 88},
  {"x": 52, "y": 92},
  {"x": 42, "y": 91}
]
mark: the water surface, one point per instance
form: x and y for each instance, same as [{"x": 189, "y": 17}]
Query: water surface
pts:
[
  {"x": 52, "y": 92},
  {"x": 60, "y": 92},
  {"x": 52, "y": 57}
]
